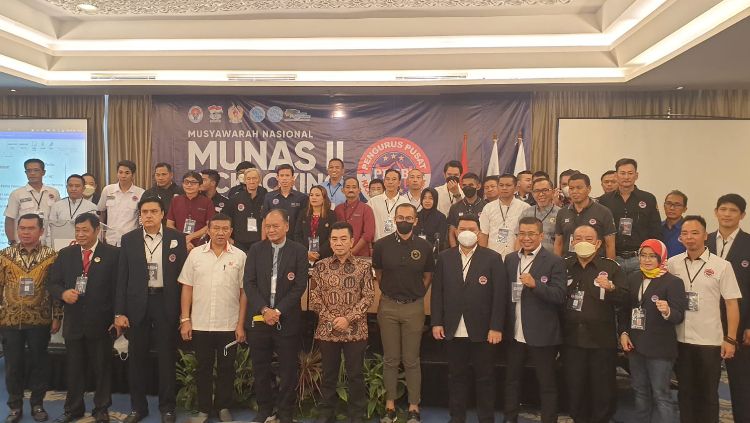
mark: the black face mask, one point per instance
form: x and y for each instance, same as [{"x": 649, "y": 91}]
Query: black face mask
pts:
[
  {"x": 469, "y": 191},
  {"x": 404, "y": 227}
]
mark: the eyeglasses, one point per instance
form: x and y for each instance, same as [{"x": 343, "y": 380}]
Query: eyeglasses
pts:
[
  {"x": 405, "y": 219},
  {"x": 671, "y": 205},
  {"x": 190, "y": 182},
  {"x": 528, "y": 234},
  {"x": 542, "y": 191},
  {"x": 30, "y": 171},
  {"x": 648, "y": 256}
]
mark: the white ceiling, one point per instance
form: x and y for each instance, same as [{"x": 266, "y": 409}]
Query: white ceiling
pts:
[{"x": 353, "y": 43}]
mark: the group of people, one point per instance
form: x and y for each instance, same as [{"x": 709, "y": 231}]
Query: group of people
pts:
[{"x": 545, "y": 270}]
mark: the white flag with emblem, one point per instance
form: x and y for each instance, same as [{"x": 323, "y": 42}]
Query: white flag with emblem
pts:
[
  {"x": 493, "y": 168},
  {"x": 520, "y": 158}
]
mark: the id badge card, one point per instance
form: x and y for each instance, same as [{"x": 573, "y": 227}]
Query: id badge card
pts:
[
  {"x": 189, "y": 227},
  {"x": 638, "y": 319},
  {"x": 423, "y": 236},
  {"x": 502, "y": 235},
  {"x": 576, "y": 301},
  {"x": 252, "y": 224},
  {"x": 693, "y": 300},
  {"x": 516, "y": 293},
  {"x": 626, "y": 226},
  {"x": 153, "y": 268},
  {"x": 81, "y": 282},
  {"x": 26, "y": 287},
  {"x": 314, "y": 243},
  {"x": 389, "y": 226}
]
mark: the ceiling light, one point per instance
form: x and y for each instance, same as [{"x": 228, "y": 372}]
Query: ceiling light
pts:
[
  {"x": 680, "y": 88},
  {"x": 12, "y": 90},
  {"x": 87, "y": 7}
]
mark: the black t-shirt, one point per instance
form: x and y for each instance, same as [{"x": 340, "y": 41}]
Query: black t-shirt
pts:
[
  {"x": 294, "y": 204},
  {"x": 240, "y": 208},
  {"x": 643, "y": 213},
  {"x": 403, "y": 263},
  {"x": 596, "y": 215},
  {"x": 464, "y": 207},
  {"x": 219, "y": 202}
]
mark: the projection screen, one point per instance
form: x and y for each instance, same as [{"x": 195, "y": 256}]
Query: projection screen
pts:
[{"x": 704, "y": 158}]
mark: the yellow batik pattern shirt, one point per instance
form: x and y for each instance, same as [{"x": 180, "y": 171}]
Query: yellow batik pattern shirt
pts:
[{"x": 34, "y": 309}]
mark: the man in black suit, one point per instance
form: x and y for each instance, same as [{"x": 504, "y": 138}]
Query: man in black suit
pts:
[
  {"x": 84, "y": 277},
  {"x": 537, "y": 285},
  {"x": 275, "y": 279},
  {"x": 468, "y": 311},
  {"x": 148, "y": 298},
  {"x": 733, "y": 244}
]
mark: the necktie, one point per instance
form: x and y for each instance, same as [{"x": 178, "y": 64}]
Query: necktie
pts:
[{"x": 86, "y": 261}]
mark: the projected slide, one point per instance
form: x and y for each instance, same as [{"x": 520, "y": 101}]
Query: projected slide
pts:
[{"x": 60, "y": 143}]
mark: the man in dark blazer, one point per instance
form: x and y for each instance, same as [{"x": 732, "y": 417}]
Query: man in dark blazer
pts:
[
  {"x": 468, "y": 311},
  {"x": 733, "y": 245},
  {"x": 148, "y": 299},
  {"x": 84, "y": 277},
  {"x": 537, "y": 286},
  {"x": 275, "y": 279}
]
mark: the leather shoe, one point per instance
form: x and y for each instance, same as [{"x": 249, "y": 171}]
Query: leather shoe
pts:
[
  {"x": 102, "y": 416},
  {"x": 134, "y": 417},
  {"x": 168, "y": 417},
  {"x": 14, "y": 416},
  {"x": 67, "y": 418},
  {"x": 39, "y": 414}
]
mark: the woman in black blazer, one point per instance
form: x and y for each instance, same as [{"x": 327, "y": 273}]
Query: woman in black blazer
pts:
[
  {"x": 314, "y": 226},
  {"x": 647, "y": 332}
]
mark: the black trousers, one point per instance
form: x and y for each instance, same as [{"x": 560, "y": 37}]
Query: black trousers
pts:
[
  {"x": 157, "y": 332},
  {"x": 209, "y": 348},
  {"x": 698, "y": 373},
  {"x": 264, "y": 341},
  {"x": 354, "y": 357},
  {"x": 82, "y": 354},
  {"x": 463, "y": 353},
  {"x": 738, "y": 370},
  {"x": 544, "y": 361},
  {"x": 590, "y": 381},
  {"x": 16, "y": 360}
]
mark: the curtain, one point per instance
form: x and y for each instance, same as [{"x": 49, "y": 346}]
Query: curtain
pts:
[
  {"x": 60, "y": 107},
  {"x": 548, "y": 106},
  {"x": 129, "y": 126}
]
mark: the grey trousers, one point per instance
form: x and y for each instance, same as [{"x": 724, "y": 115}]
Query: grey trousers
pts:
[{"x": 401, "y": 331}]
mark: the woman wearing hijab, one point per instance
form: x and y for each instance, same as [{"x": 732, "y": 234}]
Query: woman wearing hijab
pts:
[
  {"x": 647, "y": 332},
  {"x": 432, "y": 224}
]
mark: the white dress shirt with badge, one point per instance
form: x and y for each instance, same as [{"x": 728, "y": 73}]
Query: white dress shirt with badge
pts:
[
  {"x": 523, "y": 265},
  {"x": 713, "y": 278},
  {"x": 446, "y": 199},
  {"x": 384, "y": 208},
  {"x": 26, "y": 199},
  {"x": 122, "y": 211},
  {"x": 500, "y": 223},
  {"x": 216, "y": 283},
  {"x": 461, "y": 331},
  {"x": 62, "y": 214}
]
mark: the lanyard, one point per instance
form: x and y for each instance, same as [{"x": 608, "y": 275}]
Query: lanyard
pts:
[
  {"x": 468, "y": 262},
  {"x": 32, "y": 259},
  {"x": 70, "y": 208},
  {"x": 522, "y": 271},
  {"x": 39, "y": 201},
  {"x": 346, "y": 207},
  {"x": 546, "y": 215},
  {"x": 640, "y": 300},
  {"x": 151, "y": 251},
  {"x": 338, "y": 186},
  {"x": 723, "y": 246},
  {"x": 691, "y": 279},
  {"x": 502, "y": 213},
  {"x": 387, "y": 210}
]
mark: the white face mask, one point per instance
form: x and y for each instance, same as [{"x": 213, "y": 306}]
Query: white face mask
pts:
[
  {"x": 121, "y": 346},
  {"x": 467, "y": 239},
  {"x": 584, "y": 249},
  {"x": 88, "y": 190},
  {"x": 241, "y": 178}
]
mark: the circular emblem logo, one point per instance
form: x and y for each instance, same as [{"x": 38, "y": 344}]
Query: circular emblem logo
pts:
[
  {"x": 642, "y": 204},
  {"x": 708, "y": 272},
  {"x": 592, "y": 221},
  {"x": 605, "y": 274},
  {"x": 195, "y": 114},
  {"x": 135, "y": 198},
  {"x": 745, "y": 263},
  {"x": 172, "y": 258},
  {"x": 257, "y": 114},
  {"x": 416, "y": 255},
  {"x": 221, "y": 204},
  {"x": 654, "y": 298},
  {"x": 275, "y": 114},
  {"x": 51, "y": 197},
  {"x": 544, "y": 279},
  {"x": 97, "y": 259},
  {"x": 240, "y": 207},
  {"x": 235, "y": 114},
  {"x": 290, "y": 276},
  {"x": 397, "y": 153},
  {"x": 275, "y": 201},
  {"x": 483, "y": 280},
  {"x": 552, "y": 219}
]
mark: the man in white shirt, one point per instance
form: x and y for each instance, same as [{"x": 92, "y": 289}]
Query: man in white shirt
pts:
[
  {"x": 499, "y": 219},
  {"x": 414, "y": 186},
  {"x": 118, "y": 204},
  {"x": 63, "y": 213},
  {"x": 34, "y": 197},
  {"x": 450, "y": 192},
  {"x": 384, "y": 205},
  {"x": 214, "y": 305},
  {"x": 701, "y": 342}
]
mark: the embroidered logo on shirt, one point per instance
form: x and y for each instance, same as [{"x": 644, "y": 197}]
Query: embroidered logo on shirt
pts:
[
  {"x": 708, "y": 272},
  {"x": 97, "y": 259},
  {"x": 240, "y": 207},
  {"x": 135, "y": 198},
  {"x": 544, "y": 279},
  {"x": 642, "y": 204},
  {"x": 483, "y": 280},
  {"x": 290, "y": 276},
  {"x": 416, "y": 255},
  {"x": 172, "y": 258},
  {"x": 745, "y": 263},
  {"x": 592, "y": 221},
  {"x": 275, "y": 201},
  {"x": 654, "y": 298}
]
